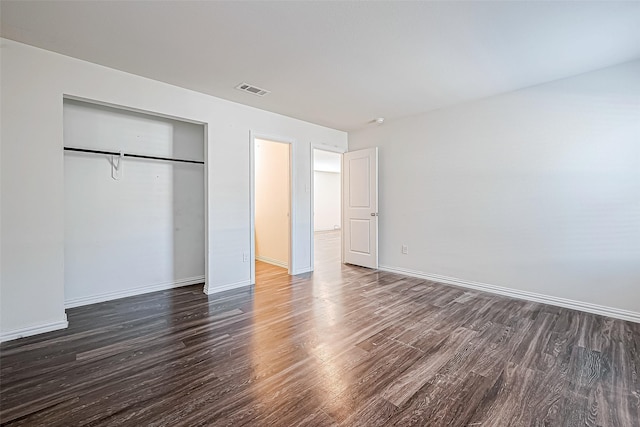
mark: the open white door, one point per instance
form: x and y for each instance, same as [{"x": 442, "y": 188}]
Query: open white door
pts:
[{"x": 360, "y": 207}]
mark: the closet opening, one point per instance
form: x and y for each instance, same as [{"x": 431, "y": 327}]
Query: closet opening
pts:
[{"x": 134, "y": 203}]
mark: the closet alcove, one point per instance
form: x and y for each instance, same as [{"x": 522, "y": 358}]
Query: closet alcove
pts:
[{"x": 134, "y": 203}]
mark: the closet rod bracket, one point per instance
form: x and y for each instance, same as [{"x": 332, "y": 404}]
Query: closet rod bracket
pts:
[{"x": 116, "y": 166}]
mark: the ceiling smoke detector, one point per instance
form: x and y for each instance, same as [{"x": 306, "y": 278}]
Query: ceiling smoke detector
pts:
[
  {"x": 380, "y": 120},
  {"x": 246, "y": 87}
]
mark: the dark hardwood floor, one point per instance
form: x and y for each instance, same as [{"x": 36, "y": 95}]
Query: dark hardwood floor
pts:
[{"x": 342, "y": 346}]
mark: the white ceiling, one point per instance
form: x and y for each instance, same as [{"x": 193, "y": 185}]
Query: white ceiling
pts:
[{"x": 339, "y": 64}]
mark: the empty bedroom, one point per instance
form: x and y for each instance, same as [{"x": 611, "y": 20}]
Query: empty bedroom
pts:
[{"x": 320, "y": 213}]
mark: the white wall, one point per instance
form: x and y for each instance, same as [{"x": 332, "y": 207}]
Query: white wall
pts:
[
  {"x": 34, "y": 82},
  {"x": 536, "y": 190},
  {"x": 272, "y": 191},
  {"x": 327, "y": 161},
  {"x": 140, "y": 233},
  {"x": 326, "y": 196}
]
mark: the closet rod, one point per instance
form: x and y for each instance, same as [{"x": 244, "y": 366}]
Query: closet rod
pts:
[{"x": 139, "y": 156}]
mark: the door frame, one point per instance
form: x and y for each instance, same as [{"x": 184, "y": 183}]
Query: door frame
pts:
[
  {"x": 331, "y": 149},
  {"x": 252, "y": 200}
]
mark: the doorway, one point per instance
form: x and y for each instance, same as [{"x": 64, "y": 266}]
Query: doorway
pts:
[
  {"x": 272, "y": 201},
  {"x": 327, "y": 208}
]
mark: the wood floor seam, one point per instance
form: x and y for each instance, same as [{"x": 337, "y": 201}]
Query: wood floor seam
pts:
[{"x": 342, "y": 346}]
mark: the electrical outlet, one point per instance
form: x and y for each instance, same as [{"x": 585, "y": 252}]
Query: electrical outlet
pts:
[
  {"x": 405, "y": 249},
  {"x": 245, "y": 257}
]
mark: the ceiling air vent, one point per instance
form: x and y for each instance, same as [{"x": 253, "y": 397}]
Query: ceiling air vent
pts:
[{"x": 252, "y": 89}]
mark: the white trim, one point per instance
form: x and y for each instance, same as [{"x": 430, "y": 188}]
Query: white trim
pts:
[
  {"x": 227, "y": 287},
  {"x": 303, "y": 270},
  {"x": 602, "y": 310},
  {"x": 206, "y": 205},
  {"x": 93, "y": 299},
  {"x": 272, "y": 261},
  {"x": 252, "y": 194},
  {"x": 34, "y": 330},
  {"x": 252, "y": 209}
]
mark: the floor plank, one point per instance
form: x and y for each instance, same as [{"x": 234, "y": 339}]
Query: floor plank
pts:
[{"x": 343, "y": 346}]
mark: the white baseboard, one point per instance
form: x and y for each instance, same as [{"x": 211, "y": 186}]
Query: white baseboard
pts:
[
  {"x": 529, "y": 296},
  {"x": 277, "y": 263},
  {"x": 226, "y": 287},
  {"x": 34, "y": 330},
  {"x": 302, "y": 270},
  {"x": 93, "y": 299},
  {"x": 272, "y": 261}
]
